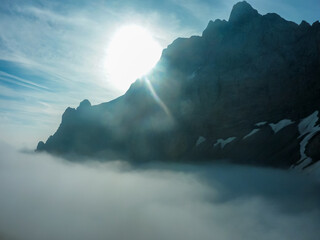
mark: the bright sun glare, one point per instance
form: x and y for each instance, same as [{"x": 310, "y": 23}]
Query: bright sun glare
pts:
[{"x": 131, "y": 53}]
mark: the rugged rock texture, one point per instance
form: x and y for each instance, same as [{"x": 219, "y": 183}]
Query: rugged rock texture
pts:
[{"x": 247, "y": 90}]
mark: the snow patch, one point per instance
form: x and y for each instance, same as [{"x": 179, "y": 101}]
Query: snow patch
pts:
[
  {"x": 251, "y": 133},
  {"x": 200, "y": 140},
  {"x": 224, "y": 142},
  {"x": 307, "y": 129},
  {"x": 307, "y": 124},
  {"x": 260, "y": 124},
  {"x": 276, "y": 127}
]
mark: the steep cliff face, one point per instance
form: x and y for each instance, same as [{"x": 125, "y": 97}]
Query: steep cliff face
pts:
[{"x": 247, "y": 90}]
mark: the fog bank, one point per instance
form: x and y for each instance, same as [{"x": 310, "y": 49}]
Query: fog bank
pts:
[{"x": 43, "y": 197}]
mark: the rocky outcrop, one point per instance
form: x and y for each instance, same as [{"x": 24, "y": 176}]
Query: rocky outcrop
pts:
[{"x": 245, "y": 88}]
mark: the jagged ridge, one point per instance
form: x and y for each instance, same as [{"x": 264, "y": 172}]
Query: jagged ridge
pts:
[{"x": 241, "y": 72}]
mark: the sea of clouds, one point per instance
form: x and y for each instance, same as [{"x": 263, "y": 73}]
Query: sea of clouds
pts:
[{"x": 45, "y": 197}]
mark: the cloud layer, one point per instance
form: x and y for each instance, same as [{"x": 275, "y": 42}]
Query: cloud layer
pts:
[{"x": 43, "y": 197}]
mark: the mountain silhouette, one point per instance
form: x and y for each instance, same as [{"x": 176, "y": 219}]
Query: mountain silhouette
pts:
[{"x": 247, "y": 90}]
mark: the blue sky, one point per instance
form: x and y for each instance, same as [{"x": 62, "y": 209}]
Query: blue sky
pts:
[{"x": 52, "y": 52}]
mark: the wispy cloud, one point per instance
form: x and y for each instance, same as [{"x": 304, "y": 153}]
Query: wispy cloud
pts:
[{"x": 17, "y": 80}]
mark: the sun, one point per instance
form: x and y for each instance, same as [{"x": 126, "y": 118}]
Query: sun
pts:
[{"x": 131, "y": 54}]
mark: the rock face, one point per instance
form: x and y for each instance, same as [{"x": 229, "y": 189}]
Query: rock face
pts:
[{"x": 247, "y": 90}]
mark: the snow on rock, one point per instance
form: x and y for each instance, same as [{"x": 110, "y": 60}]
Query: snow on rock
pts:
[
  {"x": 307, "y": 124},
  {"x": 307, "y": 129},
  {"x": 224, "y": 142},
  {"x": 276, "y": 127},
  {"x": 251, "y": 133},
  {"x": 200, "y": 140},
  {"x": 260, "y": 124}
]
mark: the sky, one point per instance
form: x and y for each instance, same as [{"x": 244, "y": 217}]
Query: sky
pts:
[{"x": 52, "y": 53}]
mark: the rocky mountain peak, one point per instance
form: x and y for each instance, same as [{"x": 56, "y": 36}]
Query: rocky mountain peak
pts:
[
  {"x": 242, "y": 11},
  {"x": 84, "y": 104},
  {"x": 247, "y": 90}
]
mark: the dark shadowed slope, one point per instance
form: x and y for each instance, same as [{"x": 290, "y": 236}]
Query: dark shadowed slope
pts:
[{"x": 246, "y": 90}]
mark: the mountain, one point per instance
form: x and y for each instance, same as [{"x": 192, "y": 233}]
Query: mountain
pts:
[{"x": 247, "y": 90}]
